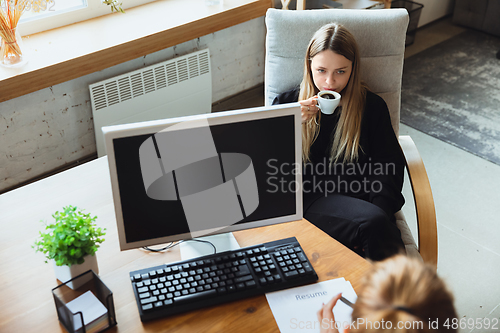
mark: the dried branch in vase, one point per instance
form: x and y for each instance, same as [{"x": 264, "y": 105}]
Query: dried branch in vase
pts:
[
  {"x": 115, "y": 5},
  {"x": 10, "y": 49}
]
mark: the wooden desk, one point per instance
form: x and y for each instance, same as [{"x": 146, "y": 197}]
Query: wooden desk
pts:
[{"x": 26, "y": 281}]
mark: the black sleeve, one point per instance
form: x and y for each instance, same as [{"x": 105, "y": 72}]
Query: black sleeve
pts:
[
  {"x": 385, "y": 156},
  {"x": 290, "y": 96}
]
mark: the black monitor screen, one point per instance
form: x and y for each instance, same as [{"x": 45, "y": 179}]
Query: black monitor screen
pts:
[{"x": 148, "y": 213}]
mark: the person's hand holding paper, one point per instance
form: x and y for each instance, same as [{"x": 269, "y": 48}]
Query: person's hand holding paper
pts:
[
  {"x": 295, "y": 309},
  {"x": 326, "y": 312}
]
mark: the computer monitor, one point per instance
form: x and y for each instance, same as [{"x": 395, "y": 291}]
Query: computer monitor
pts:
[{"x": 181, "y": 178}]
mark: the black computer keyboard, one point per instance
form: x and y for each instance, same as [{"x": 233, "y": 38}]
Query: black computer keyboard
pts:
[{"x": 219, "y": 278}]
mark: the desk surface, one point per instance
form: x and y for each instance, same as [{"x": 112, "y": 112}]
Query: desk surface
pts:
[{"x": 26, "y": 281}]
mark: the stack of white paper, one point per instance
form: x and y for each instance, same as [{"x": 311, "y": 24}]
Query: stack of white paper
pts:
[
  {"x": 94, "y": 312},
  {"x": 295, "y": 309}
]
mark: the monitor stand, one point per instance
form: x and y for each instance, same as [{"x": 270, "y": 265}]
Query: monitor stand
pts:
[{"x": 193, "y": 249}]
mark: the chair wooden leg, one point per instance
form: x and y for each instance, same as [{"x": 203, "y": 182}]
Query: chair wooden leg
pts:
[{"x": 285, "y": 3}]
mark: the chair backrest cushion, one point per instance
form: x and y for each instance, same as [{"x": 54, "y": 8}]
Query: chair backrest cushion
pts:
[{"x": 380, "y": 35}]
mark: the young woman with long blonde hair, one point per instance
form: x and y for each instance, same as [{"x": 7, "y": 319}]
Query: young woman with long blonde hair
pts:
[
  {"x": 399, "y": 294},
  {"x": 353, "y": 166}
]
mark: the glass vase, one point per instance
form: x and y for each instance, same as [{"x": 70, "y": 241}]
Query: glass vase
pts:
[{"x": 11, "y": 49}]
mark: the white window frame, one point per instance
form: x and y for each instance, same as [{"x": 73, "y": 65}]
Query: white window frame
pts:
[{"x": 94, "y": 8}]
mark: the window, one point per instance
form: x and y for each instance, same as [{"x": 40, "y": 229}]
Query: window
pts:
[{"x": 41, "y": 15}]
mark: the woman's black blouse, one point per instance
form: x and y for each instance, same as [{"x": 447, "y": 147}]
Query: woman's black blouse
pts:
[{"x": 377, "y": 175}]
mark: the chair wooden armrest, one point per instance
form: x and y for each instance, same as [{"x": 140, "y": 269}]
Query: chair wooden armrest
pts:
[{"x": 424, "y": 202}]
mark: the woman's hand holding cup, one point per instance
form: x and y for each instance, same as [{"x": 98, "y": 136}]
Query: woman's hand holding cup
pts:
[
  {"x": 309, "y": 108},
  {"x": 326, "y": 101}
]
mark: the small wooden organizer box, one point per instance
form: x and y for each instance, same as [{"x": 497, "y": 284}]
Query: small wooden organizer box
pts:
[{"x": 87, "y": 307}]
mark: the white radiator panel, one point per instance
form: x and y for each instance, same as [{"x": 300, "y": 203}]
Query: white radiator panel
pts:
[{"x": 173, "y": 88}]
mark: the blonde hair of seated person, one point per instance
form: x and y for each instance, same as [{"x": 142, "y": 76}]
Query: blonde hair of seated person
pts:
[
  {"x": 336, "y": 38},
  {"x": 402, "y": 290}
]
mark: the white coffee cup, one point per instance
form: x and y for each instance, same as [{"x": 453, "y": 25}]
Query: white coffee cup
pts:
[{"x": 327, "y": 104}]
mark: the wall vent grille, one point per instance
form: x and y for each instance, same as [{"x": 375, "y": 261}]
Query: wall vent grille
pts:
[
  {"x": 149, "y": 79},
  {"x": 176, "y": 87}
]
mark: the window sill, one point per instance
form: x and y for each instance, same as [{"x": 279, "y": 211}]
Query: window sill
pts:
[{"x": 65, "y": 53}]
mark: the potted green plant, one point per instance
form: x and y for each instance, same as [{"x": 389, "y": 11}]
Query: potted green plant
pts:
[{"x": 71, "y": 243}]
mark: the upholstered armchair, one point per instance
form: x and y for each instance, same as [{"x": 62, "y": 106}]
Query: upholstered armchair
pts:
[{"x": 381, "y": 38}]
